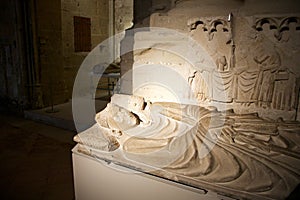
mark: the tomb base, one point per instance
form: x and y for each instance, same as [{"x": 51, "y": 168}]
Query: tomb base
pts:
[{"x": 95, "y": 179}]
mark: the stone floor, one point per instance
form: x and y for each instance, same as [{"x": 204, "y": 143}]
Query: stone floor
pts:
[
  {"x": 60, "y": 115},
  {"x": 36, "y": 160}
]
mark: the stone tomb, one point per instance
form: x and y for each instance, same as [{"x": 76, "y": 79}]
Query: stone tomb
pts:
[{"x": 223, "y": 117}]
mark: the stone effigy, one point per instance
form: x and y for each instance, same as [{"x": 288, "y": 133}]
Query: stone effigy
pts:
[
  {"x": 239, "y": 155},
  {"x": 244, "y": 144}
]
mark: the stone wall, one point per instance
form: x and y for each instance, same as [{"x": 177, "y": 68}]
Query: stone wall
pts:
[
  {"x": 38, "y": 59},
  {"x": 98, "y": 11},
  {"x": 123, "y": 15},
  {"x": 134, "y": 14},
  {"x": 12, "y": 59},
  {"x": 31, "y": 49},
  {"x": 49, "y": 39}
]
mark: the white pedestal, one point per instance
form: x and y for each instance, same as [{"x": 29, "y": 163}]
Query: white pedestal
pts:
[{"x": 95, "y": 180}]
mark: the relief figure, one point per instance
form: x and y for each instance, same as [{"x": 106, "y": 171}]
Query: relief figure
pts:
[{"x": 268, "y": 61}]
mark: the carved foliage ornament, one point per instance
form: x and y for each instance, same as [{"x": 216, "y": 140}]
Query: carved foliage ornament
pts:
[
  {"x": 210, "y": 25},
  {"x": 278, "y": 24}
]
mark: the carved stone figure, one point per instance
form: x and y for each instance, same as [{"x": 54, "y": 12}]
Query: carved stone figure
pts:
[
  {"x": 243, "y": 155},
  {"x": 217, "y": 39},
  {"x": 281, "y": 74},
  {"x": 244, "y": 144},
  {"x": 268, "y": 61}
]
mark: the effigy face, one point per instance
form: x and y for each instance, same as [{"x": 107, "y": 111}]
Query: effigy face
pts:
[{"x": 228, "y": 122}]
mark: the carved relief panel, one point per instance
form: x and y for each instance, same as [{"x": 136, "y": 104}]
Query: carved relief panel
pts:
[
  {"x": 278, "y": 65},
  {"x": 259, "y": 67},
  {"x": 215, "y": 35}
]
